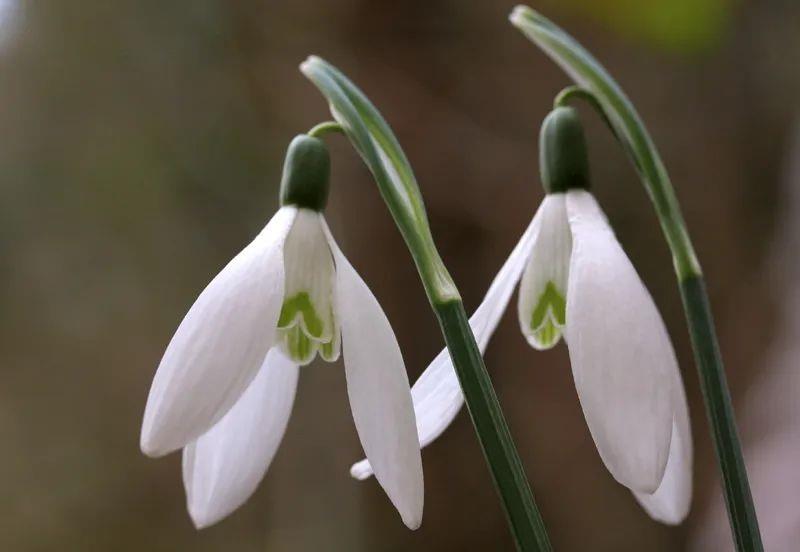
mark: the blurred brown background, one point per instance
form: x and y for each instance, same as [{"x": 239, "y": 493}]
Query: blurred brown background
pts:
[{"x": 142, "y": 144}]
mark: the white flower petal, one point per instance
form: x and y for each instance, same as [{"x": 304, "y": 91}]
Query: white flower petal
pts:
[
  {"x": 220, "y": 344},
  {"x": 543, "y": 289},
  {"x": 377, "y": 385},
  {"x": 437, "y": 393},
  {"x": 670, "y": 503},
  {"x": 222, "y": 469},
  {"x": 621, "y": 355}
]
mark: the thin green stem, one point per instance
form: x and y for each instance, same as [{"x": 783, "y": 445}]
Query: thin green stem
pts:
[
  {"x": 490, "y": 425},
  {"x": 563, "y": 98},
  {"x": 720, "y": 413},
  {"x": 596, "y": 85},
  {"x": 320, "y": 130},
  {"x": 375, "y": 142}
]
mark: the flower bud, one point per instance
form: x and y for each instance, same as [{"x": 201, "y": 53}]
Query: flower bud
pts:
[
  {"x": 306, "y": 173},
  {"x": 563, "y": 160}
]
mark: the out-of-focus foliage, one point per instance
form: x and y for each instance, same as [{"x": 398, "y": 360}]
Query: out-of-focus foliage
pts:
[{"x": 679, "y": 25}]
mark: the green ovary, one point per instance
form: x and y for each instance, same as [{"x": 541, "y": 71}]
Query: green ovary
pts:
[
  {"x": 301, "y": 331},
  {"x": 549, "y": 317}
]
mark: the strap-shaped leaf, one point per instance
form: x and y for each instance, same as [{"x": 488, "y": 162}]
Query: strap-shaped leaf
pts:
[
  {"x": 380, "y": 150},
  {"x": 587, "y": 72}
]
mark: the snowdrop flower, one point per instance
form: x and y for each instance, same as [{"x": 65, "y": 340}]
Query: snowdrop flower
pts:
[
  {"x": 577, "y": 283},
  {"x": 225, "y": 386}
]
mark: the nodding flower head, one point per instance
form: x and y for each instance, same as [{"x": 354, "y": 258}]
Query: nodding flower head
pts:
[
  {"x": 225, "y": 386},
  {"x": 576, "y": 282}
]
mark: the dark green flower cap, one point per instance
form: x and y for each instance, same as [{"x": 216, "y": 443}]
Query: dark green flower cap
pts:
[
  {"x": 563, "y": 158},
  {"x": 306, "y": 173}
]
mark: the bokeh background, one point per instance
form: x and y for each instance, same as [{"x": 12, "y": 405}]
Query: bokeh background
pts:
[{"x": 141, "y": 148}]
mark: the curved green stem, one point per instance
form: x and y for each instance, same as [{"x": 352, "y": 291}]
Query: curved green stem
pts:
[
  {"x": 380, "y": 150},
  {"x": 563, "y": 98},
  {"x": 597, "y": 86},
  {"x": 327, "y": 127}
]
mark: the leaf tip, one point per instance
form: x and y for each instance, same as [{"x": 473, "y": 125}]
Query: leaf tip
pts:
[
  {"x": 519, "y": 13},
  {"x": 307, "y": 65}
]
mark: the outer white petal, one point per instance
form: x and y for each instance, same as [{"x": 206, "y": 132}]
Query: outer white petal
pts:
[
  {"x": 621, "y": 355},
  {"x": 670, "y": 503},
  {"x": 437, "y": 394},
  {"x": 225, "y": 465},
  {"x": 220, "y": 344},
  {"x": 378, "y": 388}
]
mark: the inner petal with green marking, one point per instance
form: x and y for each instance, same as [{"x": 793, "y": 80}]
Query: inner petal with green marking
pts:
[
  {"x": 301, "y": 330},
  {"x": 549, "y": 317},
  {"x": 307, "y": 324},
  {"x": 299, "y": 310},
  {"x": 543, "y": 288}
]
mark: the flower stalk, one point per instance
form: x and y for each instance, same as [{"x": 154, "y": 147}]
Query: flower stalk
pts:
[
  {"x": 603, "y": 93},
  {"x": 326, "y": 127},
  {"x": 380, "y": 150}
]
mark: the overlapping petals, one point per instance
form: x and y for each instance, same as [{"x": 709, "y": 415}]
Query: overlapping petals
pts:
[
  {"x": 437, "y": 394},
  {"x": 225, "y": 387},
  {"x": 220, "y": 345},
  {"x": 670, "y": 503},
  {"x": 623, "y": 363},
  {"x": 543, "y": 289},
  {"x": 378, "y": 388},
  {"x": 622, "y": 359},
  {"x": 222, "y": 469}
]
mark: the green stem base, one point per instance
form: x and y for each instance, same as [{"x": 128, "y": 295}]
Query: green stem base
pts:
[
  {"x": 720, "y": 415},
  {"x": 493, "y": 433}
]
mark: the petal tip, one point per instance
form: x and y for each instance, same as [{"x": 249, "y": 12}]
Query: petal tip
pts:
[
  {"x": 154, "y": 443},
  {"x": 648, "y": 487},
  {"x": 667, "y": 510},
  {"x": 412, "y": 511},
  {"x": 674, "y": 519},
  {"x": 540, "y": 345},
  {"x": 636, "y": 482},
  {"x": 361, "y": 470},
  {"x": 150, "y": 446},
  {"x": 201, "y": 519},
  {"x": 413, "y": 520}
]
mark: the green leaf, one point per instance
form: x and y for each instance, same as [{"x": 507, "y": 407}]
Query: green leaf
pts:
[
  {"x": 683, "y": 26},
  {"x": 380, "y": 150}
]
